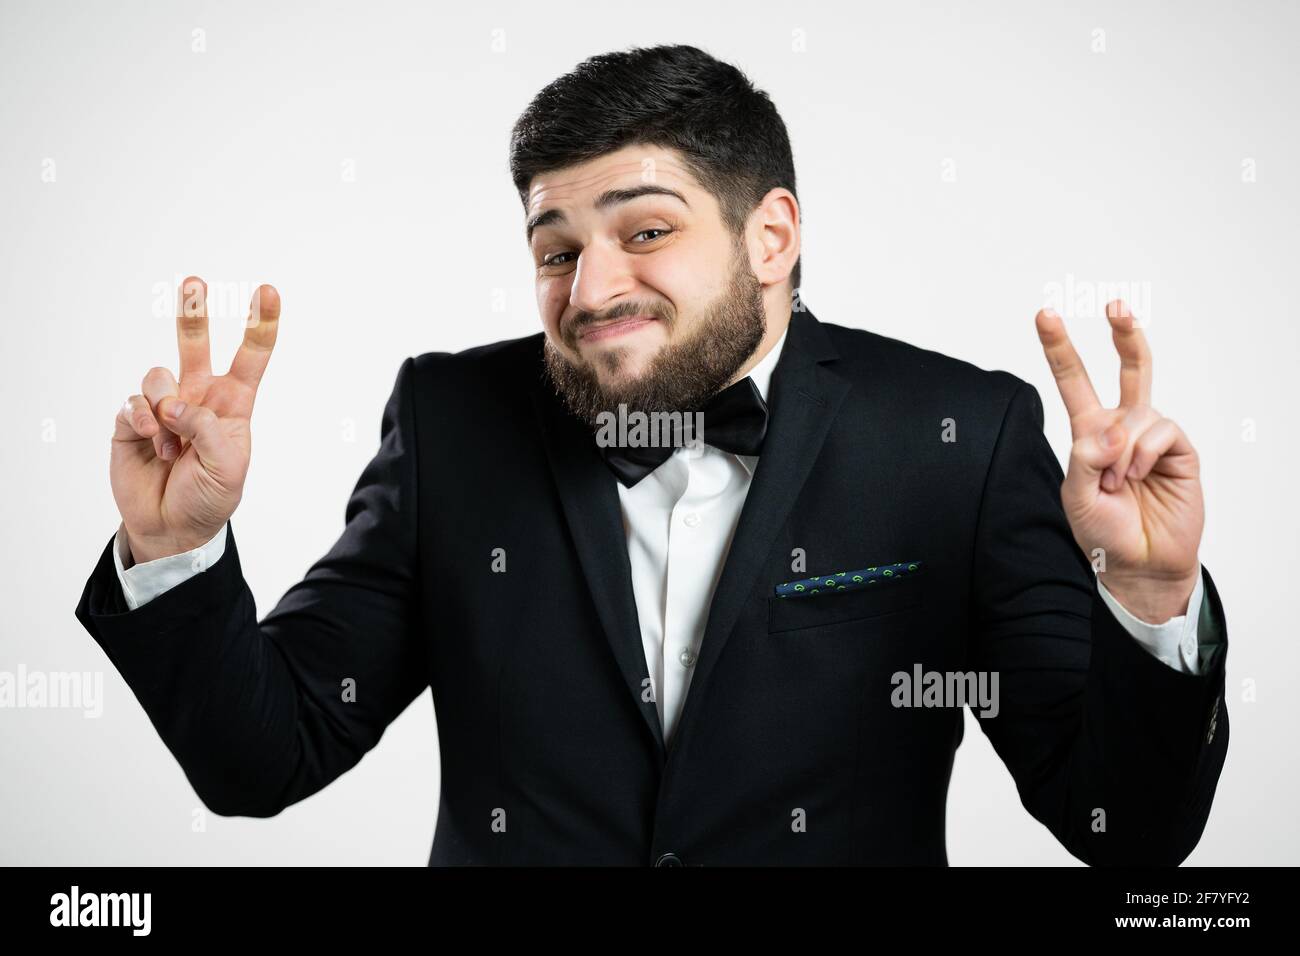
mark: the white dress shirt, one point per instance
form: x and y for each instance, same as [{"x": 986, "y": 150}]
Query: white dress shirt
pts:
[{"x": 679, "y": 522}]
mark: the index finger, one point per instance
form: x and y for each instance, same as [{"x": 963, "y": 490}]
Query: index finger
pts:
[
  {"x": 259, "y": 337},
  {"x": 192, "y": 328},
  {"x": 1071, "y": 377}
]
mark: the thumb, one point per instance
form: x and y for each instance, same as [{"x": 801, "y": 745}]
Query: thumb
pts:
[
  {"x": 1092, "y": 455},
  {"x": 201, "y": 428}
]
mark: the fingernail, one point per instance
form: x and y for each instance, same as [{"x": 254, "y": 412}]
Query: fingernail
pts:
[
  {"x": 175, "y": 409},
  {"x": 169, "y": 448},
  {"x": 1133, "y": 470}
]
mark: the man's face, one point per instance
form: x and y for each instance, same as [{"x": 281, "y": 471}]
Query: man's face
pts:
[{"x": 646, "y": 297}]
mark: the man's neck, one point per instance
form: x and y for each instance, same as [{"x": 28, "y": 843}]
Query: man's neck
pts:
[{"x": 778, "y": 311}]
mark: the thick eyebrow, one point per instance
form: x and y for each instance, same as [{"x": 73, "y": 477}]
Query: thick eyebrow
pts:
[{"x": 609, "y": 197}]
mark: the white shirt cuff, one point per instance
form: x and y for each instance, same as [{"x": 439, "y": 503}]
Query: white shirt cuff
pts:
[
  {"x": 1175, "y": 641},
  {"x": 142, "y": 583}
]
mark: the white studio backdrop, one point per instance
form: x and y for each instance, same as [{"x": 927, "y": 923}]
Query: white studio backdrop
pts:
[{"x": 959, "y": 165}]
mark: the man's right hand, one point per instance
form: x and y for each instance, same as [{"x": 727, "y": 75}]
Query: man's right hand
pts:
[{"x": 177, "y": 478}]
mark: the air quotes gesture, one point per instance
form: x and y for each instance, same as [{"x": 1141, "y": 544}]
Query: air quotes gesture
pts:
[{"x": 181, "y": 448}]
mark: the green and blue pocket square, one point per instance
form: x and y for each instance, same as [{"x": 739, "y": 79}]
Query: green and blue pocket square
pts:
[{"x": 876, "y": 576}]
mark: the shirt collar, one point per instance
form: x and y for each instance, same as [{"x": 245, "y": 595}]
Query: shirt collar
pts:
[
  {"x": 762, "y": 373},
  {"x": 762, "y": 376}
]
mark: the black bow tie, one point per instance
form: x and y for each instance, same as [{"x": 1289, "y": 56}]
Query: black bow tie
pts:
[{"x": 734, "y": 420}]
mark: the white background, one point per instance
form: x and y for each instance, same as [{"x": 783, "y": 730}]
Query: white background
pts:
[{"x": 956, "y": 163}]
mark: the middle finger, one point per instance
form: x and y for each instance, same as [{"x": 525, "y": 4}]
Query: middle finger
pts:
[{"x": 1134, "y": 355}]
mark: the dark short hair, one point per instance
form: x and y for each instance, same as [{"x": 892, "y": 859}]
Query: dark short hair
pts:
[{"x": 730, "y": 134}]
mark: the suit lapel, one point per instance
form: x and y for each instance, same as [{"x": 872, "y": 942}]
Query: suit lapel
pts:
[
  {"x": 804, "y": 399},
  {"x": 589, "y": 494}
]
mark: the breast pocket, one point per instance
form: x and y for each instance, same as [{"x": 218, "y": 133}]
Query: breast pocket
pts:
[{"x": 836, "y": 607}]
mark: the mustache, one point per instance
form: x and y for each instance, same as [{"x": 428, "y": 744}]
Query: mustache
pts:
[{"x": 584, "y": 320}]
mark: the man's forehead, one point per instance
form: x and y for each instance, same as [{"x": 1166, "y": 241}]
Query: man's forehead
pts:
[{"x": 578, "y": 185}]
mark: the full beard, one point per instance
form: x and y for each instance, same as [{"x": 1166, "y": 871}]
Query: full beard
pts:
[{"x": 683, "y": 375}]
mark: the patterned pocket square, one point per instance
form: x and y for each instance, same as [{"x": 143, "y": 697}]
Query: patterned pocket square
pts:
[{"x": 875, "y": 576}]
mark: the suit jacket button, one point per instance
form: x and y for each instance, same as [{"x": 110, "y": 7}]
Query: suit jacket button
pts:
[{"x": 669, "y": 859}]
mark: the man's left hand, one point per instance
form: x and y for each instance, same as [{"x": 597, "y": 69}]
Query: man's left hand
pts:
[{"x": 1133, "y": 487}]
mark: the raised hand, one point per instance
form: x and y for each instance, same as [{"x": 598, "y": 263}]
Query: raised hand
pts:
[
  {"x": 1133, "y": 487},
  {"x": 181, "y": 448}
]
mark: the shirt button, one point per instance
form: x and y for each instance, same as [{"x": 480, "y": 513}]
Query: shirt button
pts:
[
  {"x": 669, "y": 859},
  {"x": 687, "y": 657},
  {"x": 691, "y": 520}
]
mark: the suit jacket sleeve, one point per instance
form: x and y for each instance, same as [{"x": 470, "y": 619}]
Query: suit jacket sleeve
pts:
[
  {"x": 261, "y": 715},
  {"x": 1113, "y": 751}
]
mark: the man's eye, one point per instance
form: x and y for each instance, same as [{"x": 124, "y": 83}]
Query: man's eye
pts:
[
  {"x": 555, "y": 259},
  {"x": 644, "y": 231}
]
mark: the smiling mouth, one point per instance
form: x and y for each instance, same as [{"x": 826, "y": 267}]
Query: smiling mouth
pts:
[{"x": 616, "y": 328}]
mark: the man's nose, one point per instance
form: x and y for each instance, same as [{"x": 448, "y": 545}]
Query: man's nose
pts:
[{"x": 602, "y": 274}]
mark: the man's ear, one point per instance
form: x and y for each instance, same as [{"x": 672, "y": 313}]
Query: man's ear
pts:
[{"x": 773, "y": 236}]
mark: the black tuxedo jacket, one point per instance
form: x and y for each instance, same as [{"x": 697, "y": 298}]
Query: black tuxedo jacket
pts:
[{"x": 789, "y": 749}]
